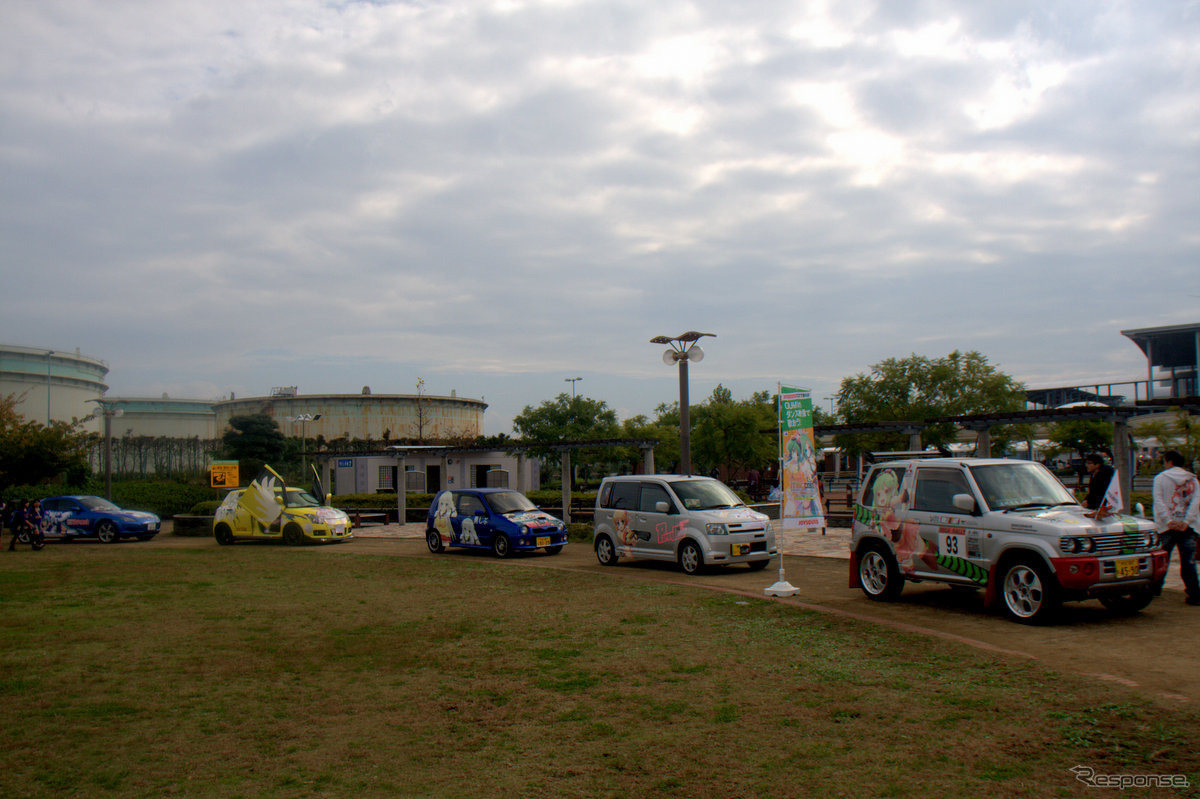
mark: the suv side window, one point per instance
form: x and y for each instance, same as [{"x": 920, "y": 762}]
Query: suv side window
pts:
[
  {"x": 936, "y": 489},
  {"x": 652, "y": 494},
  {"x": 883, "y": 487},
  {"x": 623, "y": 496}
]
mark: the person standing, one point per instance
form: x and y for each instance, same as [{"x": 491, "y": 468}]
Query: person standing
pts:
[
  {"x": 1177, "y": 517},
  {"x": 1102, "y": 475}
]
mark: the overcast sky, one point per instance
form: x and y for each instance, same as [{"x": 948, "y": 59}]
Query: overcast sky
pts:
[{"x": 231, "y": 195}]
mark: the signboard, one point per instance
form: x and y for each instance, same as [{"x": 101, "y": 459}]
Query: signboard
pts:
[
  {"x": 224, "y": 474},
  {"x": 801, "y": 500}
]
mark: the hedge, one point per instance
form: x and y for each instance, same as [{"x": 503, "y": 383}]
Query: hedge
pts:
[{"x": 164, "y": 499}]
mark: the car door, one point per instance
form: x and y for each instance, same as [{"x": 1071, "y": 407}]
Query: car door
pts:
[
  {"x": 948, "y": 540},
  {"x": 622, "y": 501},
  {"x": 56, "y": 516},
  {"x": 470, "y": 523},
  {"x": 658, "y": 532}
]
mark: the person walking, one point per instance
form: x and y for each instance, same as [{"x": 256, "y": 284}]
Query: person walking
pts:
[
  {"x": 17, "y": 522},
  {"x": 1177, "y": 517}
]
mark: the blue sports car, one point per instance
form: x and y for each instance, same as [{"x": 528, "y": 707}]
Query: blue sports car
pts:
[{"x": 67, "y": 518}]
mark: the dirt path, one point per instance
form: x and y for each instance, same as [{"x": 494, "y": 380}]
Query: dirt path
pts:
[{"x": 1155, "y": 652}]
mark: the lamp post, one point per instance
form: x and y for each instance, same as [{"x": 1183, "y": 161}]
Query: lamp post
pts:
[
  {"x": 572, "y": 381},
  {"x": 683, "y": 349},
  {"x": 303, "y": 419},
  {"x": 48, "y": 354},
  {"x": 108, "y": 412}
]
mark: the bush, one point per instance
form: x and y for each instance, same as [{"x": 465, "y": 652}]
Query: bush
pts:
[{"x": 163, "y": 498}]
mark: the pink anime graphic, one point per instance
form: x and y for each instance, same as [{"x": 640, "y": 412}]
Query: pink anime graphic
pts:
[{"x": 626, "y": 537}]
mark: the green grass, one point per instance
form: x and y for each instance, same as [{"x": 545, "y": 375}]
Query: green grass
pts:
[{"x": 257, "y": 671}]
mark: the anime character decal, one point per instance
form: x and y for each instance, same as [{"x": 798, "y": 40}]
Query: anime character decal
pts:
[
  {"x": 441, "y": 520},
  {"x": 467, "y": 534},
  {"x": 626, "y": 538},
  {"x": 889, "y": 501}
]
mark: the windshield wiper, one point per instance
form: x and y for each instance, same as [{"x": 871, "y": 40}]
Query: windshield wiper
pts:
[{"x": 1028, "y": 506}]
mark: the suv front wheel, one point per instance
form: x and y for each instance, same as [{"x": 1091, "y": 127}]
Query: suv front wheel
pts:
[
  {"x": 1030, "y": 591},
  {"x": 878, "y": 574}
]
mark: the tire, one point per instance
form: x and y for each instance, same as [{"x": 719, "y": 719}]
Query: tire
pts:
[
  {"x": 107, "y": 532},
  {"x": 293, "y": 536},
  {"x": 758, "y": 565},
  {"x": 606, "y": 553},
  {"x": 554, "y": 550},
  {"x": 1029, "y": 592},
  {"x": 433, "y": 540},
  {"x": 223, "y": 534},
  {"x": 1128, "y": 604},
  {"x": 879, "y": 575},
  {"x": 501, "y": 547},
  {"x": 691, "y": 560}
]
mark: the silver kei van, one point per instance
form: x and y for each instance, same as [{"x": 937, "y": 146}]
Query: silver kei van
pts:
[{"x": 691, "y": 520}]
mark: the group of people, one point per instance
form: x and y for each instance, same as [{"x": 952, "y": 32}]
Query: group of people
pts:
[
  {"x": 1176, "y": 510},
  {"x": 25, "y": 519}
]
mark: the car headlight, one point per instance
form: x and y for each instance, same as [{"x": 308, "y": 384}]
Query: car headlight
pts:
[
  {"x": 524, "y": 530},
  {"x": 716, "y": 529}
]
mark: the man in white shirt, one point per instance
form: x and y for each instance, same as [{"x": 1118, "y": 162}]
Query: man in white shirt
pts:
[{"x": 1177, "y": 517}]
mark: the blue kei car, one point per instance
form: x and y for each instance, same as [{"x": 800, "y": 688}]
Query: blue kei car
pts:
[
  {"x": 67, "y": 518},
  {"x": 499, "y": 519}
]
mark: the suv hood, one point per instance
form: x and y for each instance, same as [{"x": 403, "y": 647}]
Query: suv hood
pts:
[{"x": 1066, "y": 521}]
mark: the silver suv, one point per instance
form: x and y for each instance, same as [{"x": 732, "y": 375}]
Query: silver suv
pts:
[
  {"x": 1006, "y": 526},
  {"x": 693, "y": 521}
]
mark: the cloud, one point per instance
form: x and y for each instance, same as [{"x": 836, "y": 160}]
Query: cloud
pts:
[{"x": 496, "y": 193}]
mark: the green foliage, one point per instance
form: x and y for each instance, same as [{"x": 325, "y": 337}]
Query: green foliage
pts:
[
  {"x": 32, "y": 453},
  {"x": 736, "y": 434},
  {"x": 1082, "y": 436},
  {"x": 568, "y": 418},
  {"x": 161, "y": 497},
  {"x": 253, "y": 439},
  {"x": 919, "y": 388}
]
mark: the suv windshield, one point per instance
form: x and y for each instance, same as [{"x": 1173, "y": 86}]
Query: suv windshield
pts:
[
  {"x": 509, "y": 502},
  {"x": 705, "y": 494},
  {"x": 1007, "y": 486}
]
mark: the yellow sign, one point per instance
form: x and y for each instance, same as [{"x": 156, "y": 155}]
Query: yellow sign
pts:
[{"x": 224, "y": 474}]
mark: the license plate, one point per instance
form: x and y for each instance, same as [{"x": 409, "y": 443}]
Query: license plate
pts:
[
  {"x": 543, "y": 541},
  {"x": 1127, "y": 567},
  {"x": 739, "y": 549}
]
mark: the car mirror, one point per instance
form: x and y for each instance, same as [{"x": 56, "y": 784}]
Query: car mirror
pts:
[
  {"x": 964, "y": 502},
  {"x": 662, "y": 507}
]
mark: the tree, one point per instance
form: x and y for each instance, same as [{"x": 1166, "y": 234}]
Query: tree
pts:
[
  {"x": 1082, "y": 436},
  {"x": 735, "y": 434},
  {"x": 32, "y": 453},
  {"x": 253, "y": 439},
  {"x": 567, "y": 418},
  {"x": 918, "y": 388}
]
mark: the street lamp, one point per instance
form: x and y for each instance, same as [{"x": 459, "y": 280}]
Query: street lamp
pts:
[
  {"x": 683, "y": 349},
  {"x": 108, "y": 412},
  {"x": 572, "y": 381},
  {"x": 48, "y": 354},
  {"x": 303, "y": 419}
]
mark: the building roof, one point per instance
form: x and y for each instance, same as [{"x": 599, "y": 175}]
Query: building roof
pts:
[{"x": 1171, "y": 345}]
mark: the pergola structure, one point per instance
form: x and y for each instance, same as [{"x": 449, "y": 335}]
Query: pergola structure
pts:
[{"x": 983, "y": 423}]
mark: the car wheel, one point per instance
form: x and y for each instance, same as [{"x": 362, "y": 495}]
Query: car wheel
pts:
[
  {"x": 758, "y": 565},
  {"x": 1030, "y": 593},
  {"x": 606, "y": 553},
  {"x": 554, "y": 550},
  {"x": 691, "y": 561},
  {"x": 106, "y": 531},
  {"x": 433, "y": 540},
  {"x": 879, "y": 575},
  {"x": 223, "y": 534},
  {"x": 500, "y": 546},
  {"x": 293, "y": 536},
  {"x": 1128, "y": 603}
]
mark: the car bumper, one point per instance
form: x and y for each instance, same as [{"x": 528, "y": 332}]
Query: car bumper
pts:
[
  {"x": 324, "y": 535},
  {"x": 536, "y": 540},
  {"x": 1090, "y": 575},
  {"x": 741, "y": 549}
]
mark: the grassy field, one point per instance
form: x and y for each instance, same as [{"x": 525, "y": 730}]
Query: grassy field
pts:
[{"x": 261, "y": 671}]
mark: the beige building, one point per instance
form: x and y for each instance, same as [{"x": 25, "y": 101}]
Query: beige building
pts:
[
  {"x": 362, "y": 416},
  {"x": 52, "y": 385}
]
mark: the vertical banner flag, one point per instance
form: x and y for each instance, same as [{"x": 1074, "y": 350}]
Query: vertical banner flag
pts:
[
  {"x": 1113, "y": 501},
  {"x": 798, "y": 459}
]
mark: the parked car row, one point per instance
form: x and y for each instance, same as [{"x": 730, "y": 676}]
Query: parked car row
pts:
[{"x": 1008, "y": 528}]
